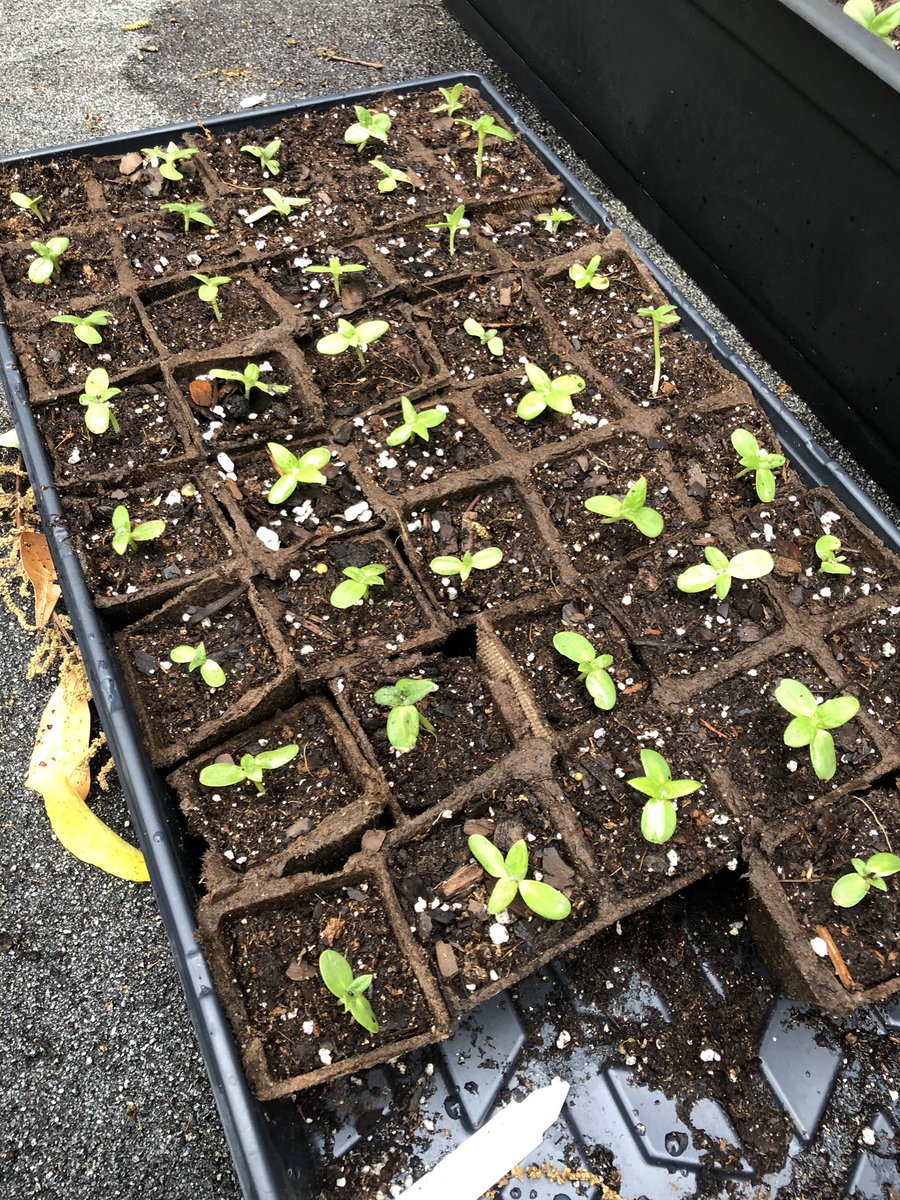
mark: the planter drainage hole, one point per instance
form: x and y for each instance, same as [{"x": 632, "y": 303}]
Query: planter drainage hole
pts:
[{"x": 676, "y": 1143}]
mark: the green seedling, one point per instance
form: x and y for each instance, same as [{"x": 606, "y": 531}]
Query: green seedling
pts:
[
  {"x": 277, "y": 204},
  {"x": 555, "y": 394},
  {"x": 188, "y": 213},
  {"x": 719, "y": 570},
  {"x": 196, "y": 657},
  {"x": 85, "y": 326},
  {"x": 812, "y": 722},
  {"x": 483, "y": 127},
  {"x": 41, "y": 269},
  {"x": 452, "y": 222},
  {"x": 126, "y": 537},
  {"x": 393, "y": 177},
  {"x": 630, "y": 508},
  {"x": 481, "y": 560},
  {"x": 592, "y": 666},
  {"x": 368, "y": 124},
  {"x": 414, "y": 424},
  {"x": 292, "y": 471},
  {"x": 554, "y": 218},
  {"x": 830, "y": 562},
  {"x": 337, "y": 975},
  {"x": 659, "y": 816},
  {"x": 510, "y": 873},
  {"x": 352, "y": 337},
  {"x": 850, "y": 889},
  {"x": 753, "y": 458},
  {"x": 587, "y": 277},
  {"x": 663, "y": 315},
  {"x": 404, "y": 718},
  {"x": 488, "y": 337},
  {"x": 249, "y": 379},
  {"x": 357, "y": 584},
  {"x": 267, "y": 155},
  {"x": 166, "y": 159},
  {"x": 28, "y": 204},
  {"x": 882, "y": 24},
  {"x": 335, "y": 269},
  {"x": 249, "y": 769},
  {"x": 95, "y": 398},
  {"x": 208, "y": 291},
  {"x": 452, "y": 102}
]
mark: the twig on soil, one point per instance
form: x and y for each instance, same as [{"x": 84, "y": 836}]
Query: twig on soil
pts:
[
  {"x": 333, "y": 53},
  {"x": 887, "y": 840},
  {"x": 837, "y": 961}
]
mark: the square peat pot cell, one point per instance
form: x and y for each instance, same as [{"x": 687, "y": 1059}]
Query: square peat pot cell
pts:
[
  {"x": 509, "y": 170},
  {"x": 263, "y": 950},
  {"x": 592, "y": 409},
  {"x": 320, "y": 221},
  {"x": 425, "y": 197},
  {"x": 86, "y": 268},
  {"x": 310, "y": 807},
  {"x": 324, "y": 639},
  {"x": 183, "y": 322},
  {"x": 474, "y": 722},
  {"x": 158, "y": 248},
  {"x": 237, "y": 170},
  {"x": 314, "y": 295},
  {"x": 444, "y": 891},
  {"x": 738, "y": 726},
  {"x": 866, "y": 651},
  {"x": 131, "y": 186},
  {"x": 689, "y": 375},
  {"x": 496, "y": 516},
  {"x": 61, "y": 183},
  {"x": 319, "y": 137},
  {"x": 838, "y": 957},
  {"x": 239, "y": 669},
  {"x": 421, "y": 256},
  {"x": 153, "y": 433},
  {"x": 519, "y": 232},
  {"x": 194, "y": 542}
]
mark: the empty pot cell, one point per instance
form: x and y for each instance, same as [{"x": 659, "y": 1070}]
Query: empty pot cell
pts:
[
  {"x": 508, "y": 169},
  {"x": 131, "y": 185},
  {"x": 64, "y": 199},
  {"x": 444, "y": 892},
  {"x": 426, "y": 196},
  {"x": 589, "y": 317},
  {"x": 496, "y": 517},
  {"x": 677, "y": 633},
  {"x": 313, "y": 294},
  {"x": 867, "y": 652},
  {"x": 159, "y": 248},
  {"x": 86, "y": 268},
  {"x": 470, "y": 733},
  {"x": 422, "y": 256},
  {"x": 500, "y": 398},
  {"x": 528, "y": 239},
  {"x": 738, "y": 725},
  {"x": 609, "y": 468},
  {"x": 185, "y": 322},
  {"x": 688, "y": 373}
]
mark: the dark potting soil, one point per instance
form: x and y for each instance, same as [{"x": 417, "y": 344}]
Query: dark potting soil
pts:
[
  {"x": 226, "y": 417},
  {"x": 321, "y": 221},
  {"x": 60, "y": 183},
  {"x": 63, "y": 361},
  {"x": 185, "y": 322},
  {"x": 591, "y": 317},
  {"x": 499, "y": 399},
  {"x": 528, "y": 239},
  {"x": 688, "y": 375},
  {"x": 867, "y": 653},
  {"x": 426, "y": 196},
  {"x": 299, "y": 172},
  {"x": 159, "y": 248},
  {"x": 131, "y": 185},
  {"x": 313, "y": 294},
  {"x": 422, "y": 256},
  {"x": 509, "y": 169},
  {"x": 86, "y": 268}
]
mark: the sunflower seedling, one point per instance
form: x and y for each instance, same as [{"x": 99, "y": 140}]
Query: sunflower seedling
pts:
[
  {"x": 404, "y": 718},
  {"x": 488, "y": 337},
  {"x": 277, "y": 204},
  {"x": 357, "y": 584},
  {"x": 368, "y": 124},
  {"x": 188, "y": 213},
  {"x": 511, "y": 875},
  {"x": 414, "y": 424},
  {"x": 812, "y": 722},
  {"x": 267, "y": 155},
  {"x": 249, "y": 769},
  {"x": 753, "y": 458},
  {"x": 555, "y": 394},
  {"x": 249, "y": 379},
  {"x": 28, "y": 204},
  {"x": 208, "y": 291},
  {"x": 630, "y": 508},
  {"x": 830, "y": 562},
  {"x": 719, "y": 570},
  {"x": 196, "y": 657},
  {"x": 659, "y": 816},
  {"x": 663, "y": 315},
  {"x": 586, "y": 276},
  {"x": 871, "y": 873},
  {"x": 392, "y": 177},
  {"x": 292, "y": 471},
  {"x": 85, "y": 326},
  {"x": 483, "y": 127},
  {"x": 592, "y": 667},
  {"x": 882, "y": 24},
  {"x": 452, "y": 102},
  {"x": 452, "y": 222},
  {"x": 337, "y": 975},
  {"x": 554, "y": 218},
  {"x": 352, "y": 337},
  {"x": 95, "y": 398},
  {"x": 41, "y": 269},
  {"x": 335, "y": 269},
  {"x": 165, "y": 160},
  {"x": 126, "y": 537},
  {"x": 481, "y": 560}
]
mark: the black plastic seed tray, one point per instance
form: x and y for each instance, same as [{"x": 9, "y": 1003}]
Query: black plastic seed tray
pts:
[{"x": 399, "y": 1120}]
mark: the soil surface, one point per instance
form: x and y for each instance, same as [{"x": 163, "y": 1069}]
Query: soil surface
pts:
[
  {"x": 185, "y": 322},
  {"x": 593, "y": 410},
  {"x": 867, "y": 652}
]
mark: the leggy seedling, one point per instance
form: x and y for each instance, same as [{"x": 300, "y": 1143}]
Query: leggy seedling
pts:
[
  {"x": 277, "y": 204},
  {"x": 250, "y": 768},
  {"x": 126, "y": 537},
  {"x": 368, "y": 124},
  {"x": 292, "y": 471},
  {"x": 555, "y": 394},
  {"x": 357, "y": 584},
  {"x": 196, "y": 658},
  {"x": 830, "y": 562},
  {"x": 488, "y": 337},
  {"x": 510, "y": 873},
  {"x": 630, "y": 508},
  {"x": 28, "y": 204},
  {"x": 392, "y": 177},
  {"x": 335, "y": 269},
  {"x": 414, "y": 424},
  {"x": 86, "y": 325},
  {"x": 249, "y": 379},
  {"x": 481, "y": 560},
  {"x": 719, "y": 570},
  {"x": 452, "y": 222},
  {"x": 267, "y": 155},
  {"x": 166, "y": 159},
  {"x": 663, "y": 315},
  {"x": 452, "y": 102},
  {"x": 352, "y": 337},
  {"x": 337, "y": 975},
  {"x": 753, "y": 458},
  {"x": 554, "y": 218},
  {"x": 871, "y": 873},
  {"x": 882, "y": 24},
  {"x": 95, "y": 398},
  {"x": 41, "y": 269},
  {"x": 812, "y": 721},
  {"x": 404, "y": 718},
  {"x": 659, "y": 816},
  {"x": 586, "y": 276},
  {"x": 484, "y": 126},
  {"x": 188, "y": 213},
  {"x": 208, "y": 291},
  {"x": 592, "y": 666}
]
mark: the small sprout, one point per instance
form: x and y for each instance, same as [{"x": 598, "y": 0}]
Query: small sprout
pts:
[
  {"x": 850, "y": 889},
  {"x": 28, "y": 204},
  {"x": 166, "y": 159},
  {"x": 48, "y": 253},
  {"x": 414, "y": 424},
  {"x": 555, "y": 394},
  {"x": 356, "y": 586},
  {"x": 484, "y": 126},
  {"x": 592, "y": 666},
  {"x": 368, "y": 124},
  {"x": 95, "y": 400},
  {"x": 481, "y": 560},
  {"x": 812, "y": 721},
  {"x": 554, "y": 218},
  {"x": 85, "y": 327},
  {"x": 753, "y": 458},
  {"x": 630, "y": 508},
  {"x": 587, "y": 277},
  {"x": 510, "y": 873},
  {"x": 404, "y": 718},
  {"x": 832, "y": 563},
  {"x": 293, "y": 471},
  {"x": 488, "y": 337},
  {"x": 882, "y": 24},
  {"x": 335, "y": 269},
  {"x": 249, "y": 379},
  {"x": 392, "y": 176},
  {"x": 267, "y": 155},
  {"x": 452, "y": 102},
  {"x": 195, "y": 656},
  {"x": 452, "y": 222},
  {"x": 718, "y": 571},
  {"x": 125, "y": 537},
  {"x": 659, "y": 816},
  {"x": 208, "y": 291},
  {"x": 352, "y": 337},
  {"x": 337, "y": 975},
  {"x": 189, "y": 212},
  {"x": 663, "y": 315},
  {"x": 277, "y": 204},
  {"x": 250, "y": 768}
]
